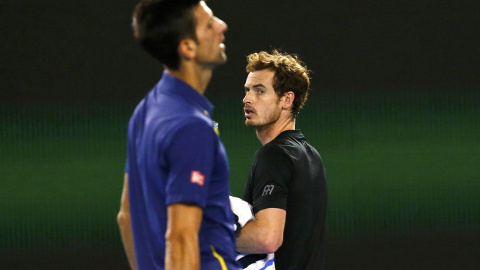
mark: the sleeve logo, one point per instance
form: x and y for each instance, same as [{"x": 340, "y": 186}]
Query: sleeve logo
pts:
[
  {"x": 197, "y": 178},
  {"x": 267, "y": 190}
]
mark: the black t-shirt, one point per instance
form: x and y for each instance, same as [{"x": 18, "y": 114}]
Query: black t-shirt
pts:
[{"x": 288, "y": 173}]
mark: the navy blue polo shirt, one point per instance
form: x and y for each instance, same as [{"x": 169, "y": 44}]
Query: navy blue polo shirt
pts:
[{"x": 175, "y": 156}]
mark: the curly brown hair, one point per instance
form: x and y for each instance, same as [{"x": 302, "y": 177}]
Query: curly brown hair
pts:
[{"x": 291, "y": 74}]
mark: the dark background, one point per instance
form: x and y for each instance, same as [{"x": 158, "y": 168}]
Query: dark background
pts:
[{"x": 394, "y": 111}]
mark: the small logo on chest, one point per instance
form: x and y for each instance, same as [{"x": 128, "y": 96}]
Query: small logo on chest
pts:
[
  {"x": 215, "y": 128},
  {"x": 267, "y": 190}
]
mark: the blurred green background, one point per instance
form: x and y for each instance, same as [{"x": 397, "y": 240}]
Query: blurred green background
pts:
[
  {"x": 401, "y": 169},
  {"x": 394, "y": 112}
]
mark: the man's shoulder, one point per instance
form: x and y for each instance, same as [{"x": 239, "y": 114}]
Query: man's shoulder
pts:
[
  {"x": 271, "y": 153},
  {"x": 280, "y": 145},
  {"x": 269, "y": 149},
  {"x": 185, "y": 123},
  {"x": 157, "y": 120},
  {"x": 172, "y": 107},
  {"x": 290, "y": 146}
]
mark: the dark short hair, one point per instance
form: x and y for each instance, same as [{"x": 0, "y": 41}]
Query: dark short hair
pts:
[
  {"x": 160, "y": 25},
  {"x": 291, "y": 74}
]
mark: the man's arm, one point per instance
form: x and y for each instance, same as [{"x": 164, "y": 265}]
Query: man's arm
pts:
[
  {"x": 264, "y": 234},
  {"x": 181, "y": 239},
  {"x": 125, "y": 224}
]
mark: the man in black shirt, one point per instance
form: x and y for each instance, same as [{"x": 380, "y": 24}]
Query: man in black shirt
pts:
[{"x": 286, "y": 184}]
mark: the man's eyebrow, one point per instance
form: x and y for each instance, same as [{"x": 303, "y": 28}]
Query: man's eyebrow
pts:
[{"x": 258, "y": 85}]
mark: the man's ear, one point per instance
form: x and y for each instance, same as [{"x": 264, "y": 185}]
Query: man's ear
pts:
[
  {"x": 187, "y": 48},
  {"x": 289, "y": 97}
]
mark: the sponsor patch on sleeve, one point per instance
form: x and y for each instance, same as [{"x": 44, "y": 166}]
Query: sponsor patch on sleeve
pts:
[
  {"x": 267, "y": 190},
  {"x": 197, "y": 178}
]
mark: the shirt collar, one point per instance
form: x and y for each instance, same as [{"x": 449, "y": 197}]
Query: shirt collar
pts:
[
  {"x": 175, "y": 86},
  {"x": 297, "y": 133}
]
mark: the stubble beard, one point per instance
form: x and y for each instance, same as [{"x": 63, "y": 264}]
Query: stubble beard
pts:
[
  {"x": 270, "y": 121},
  {"x": 267, "y": 122},
  {"x": 221, "y": 59}
]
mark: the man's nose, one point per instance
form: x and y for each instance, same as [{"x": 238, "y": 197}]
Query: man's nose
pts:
[
  {"x": 246, "y": 99},
  {"x": 222, "y": 25}
]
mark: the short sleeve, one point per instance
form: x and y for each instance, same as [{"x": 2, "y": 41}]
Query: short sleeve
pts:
[
  {"x": 271, "y": 174},
  {"x": 190, "y": 158},
  {"x": 127, "y": 167}
]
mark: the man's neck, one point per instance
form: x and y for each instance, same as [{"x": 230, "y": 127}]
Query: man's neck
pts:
[
  {"x": 195, "y": 76},
  {"x": 266, "y": 134}
]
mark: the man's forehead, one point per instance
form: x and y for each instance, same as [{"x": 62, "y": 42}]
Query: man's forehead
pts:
[
  {"x": 206, "y": 8},
  {"x": 203, "y": 11},
  {"x": 264, "y": 77}
]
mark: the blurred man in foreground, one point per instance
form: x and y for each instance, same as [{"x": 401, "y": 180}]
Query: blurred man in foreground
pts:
[{"x": 175, "y": 211}]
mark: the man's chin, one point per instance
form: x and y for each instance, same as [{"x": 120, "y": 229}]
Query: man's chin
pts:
[
  {"x": 218, "y": 62},
  {"x": 249, "y": 123},
  {"x": 223, "y": 58}
]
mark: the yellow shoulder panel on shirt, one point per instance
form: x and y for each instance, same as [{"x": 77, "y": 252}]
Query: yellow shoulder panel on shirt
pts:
[{"x": 215, "y": 128}]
